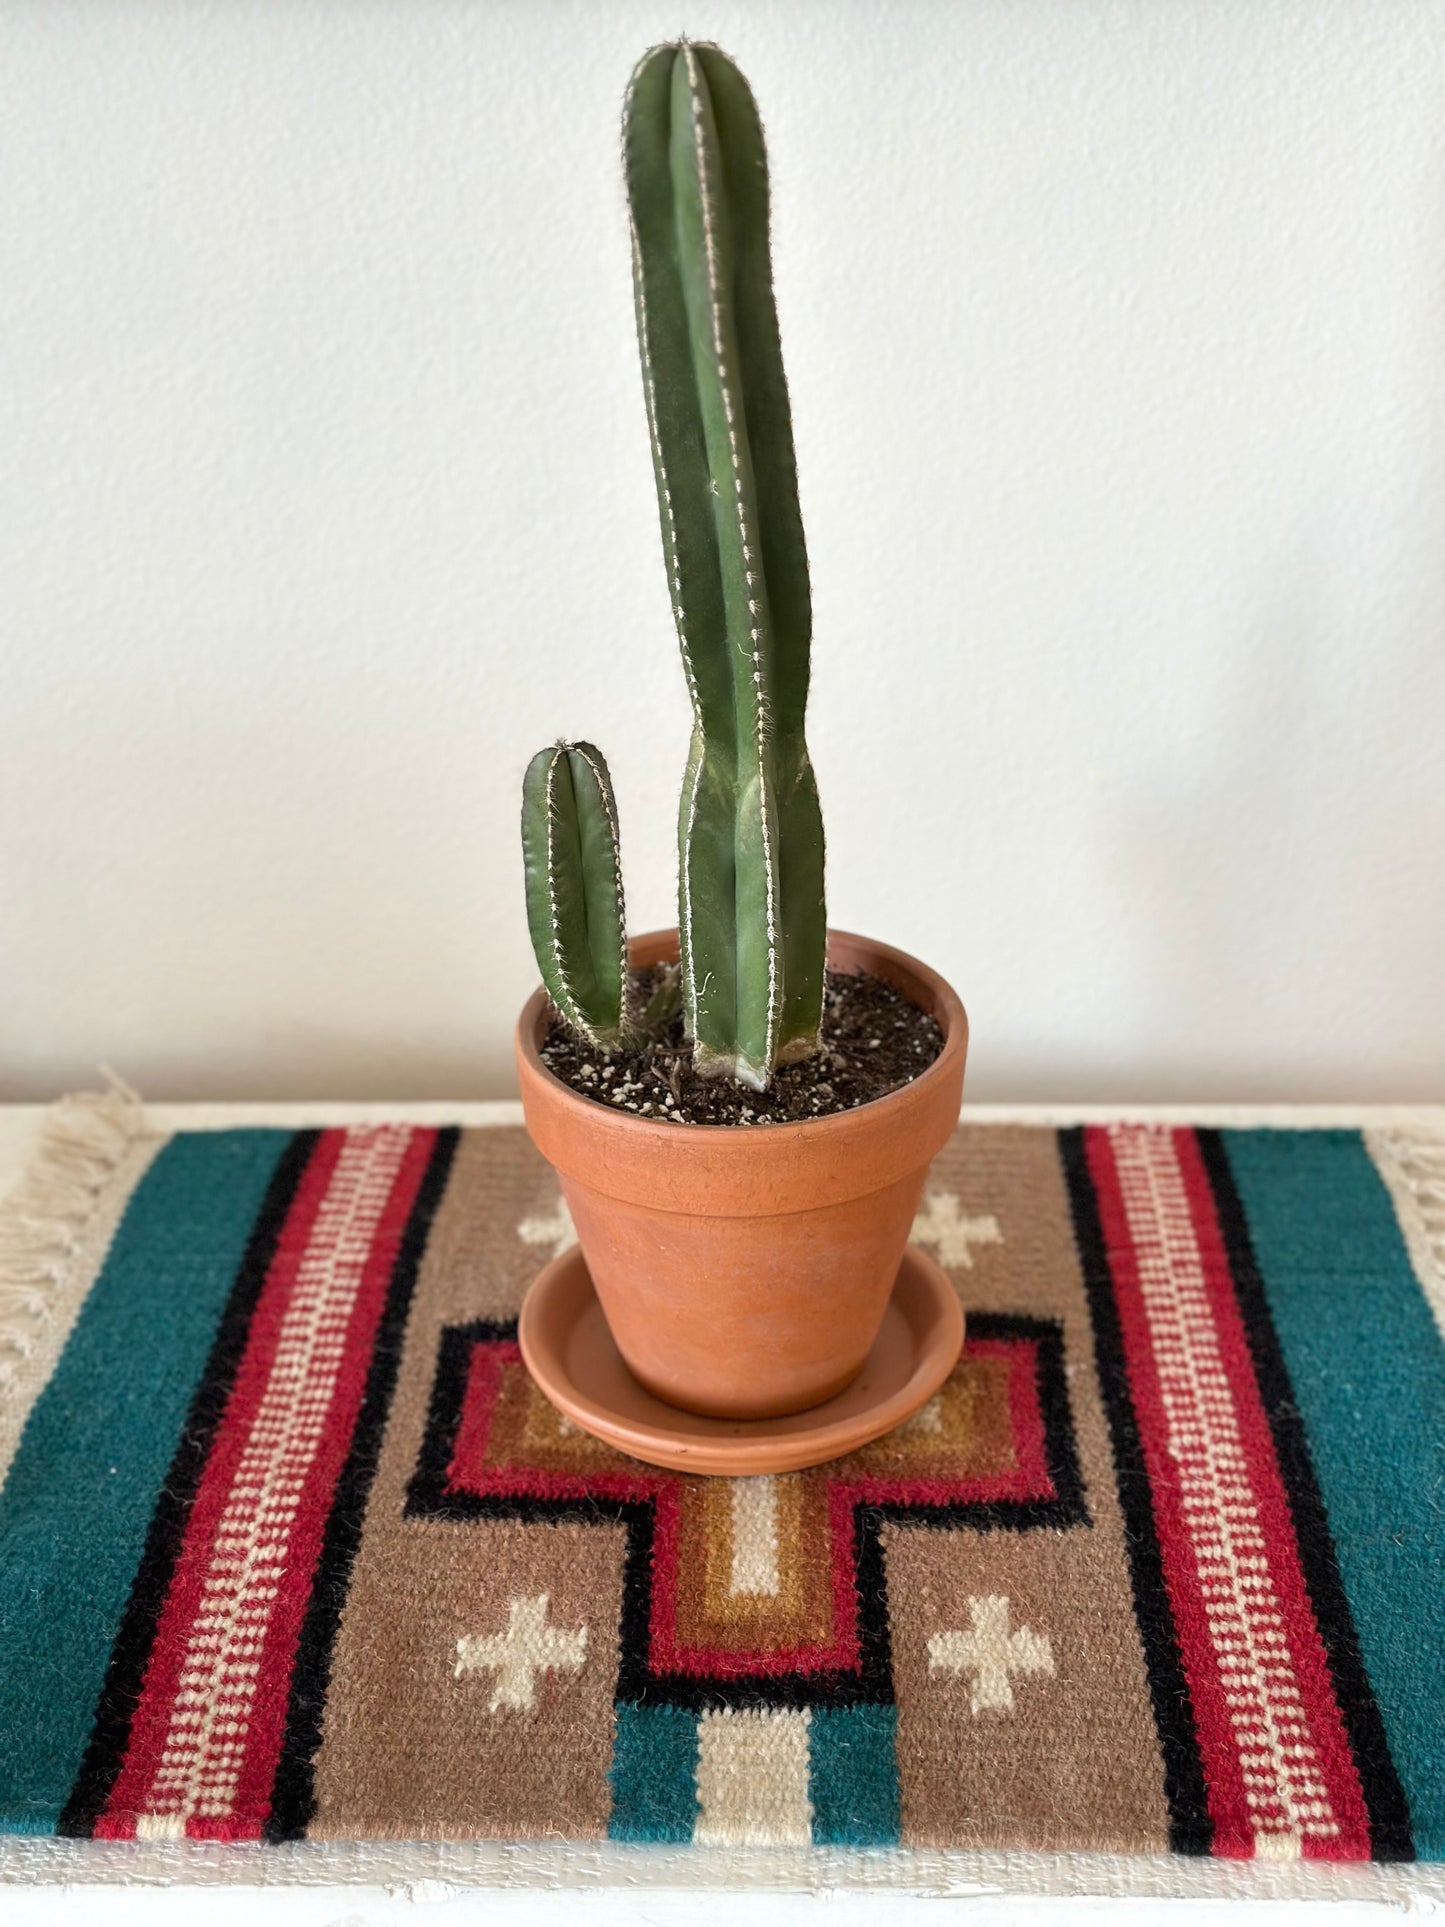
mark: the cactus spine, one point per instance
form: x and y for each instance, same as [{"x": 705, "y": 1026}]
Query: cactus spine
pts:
[
  {"x": 750, "y": 832},
  {"x": 574, "y": 888}
]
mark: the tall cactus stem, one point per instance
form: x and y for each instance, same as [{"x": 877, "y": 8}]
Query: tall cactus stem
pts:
[{"x": 751, "y": 909}]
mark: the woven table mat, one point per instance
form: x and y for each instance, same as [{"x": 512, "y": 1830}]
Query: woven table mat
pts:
[{"x": 290, "y": 1546}]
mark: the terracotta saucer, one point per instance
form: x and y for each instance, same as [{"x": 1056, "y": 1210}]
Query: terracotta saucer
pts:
[{"x": 570, "y": 1353}]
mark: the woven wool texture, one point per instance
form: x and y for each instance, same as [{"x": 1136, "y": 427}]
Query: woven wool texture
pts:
[{"x": 291, "y": 1546}]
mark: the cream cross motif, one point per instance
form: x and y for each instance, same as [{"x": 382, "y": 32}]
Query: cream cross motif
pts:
[
  {"x": 941, "y": 1223},
  {"x": 557, "y": 1231},
  {"x": 529, "y": 1646},
  {"x": 991, "y": 1653}
]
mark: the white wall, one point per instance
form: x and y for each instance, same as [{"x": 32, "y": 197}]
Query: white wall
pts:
[{"x": 1117, "y": 343}]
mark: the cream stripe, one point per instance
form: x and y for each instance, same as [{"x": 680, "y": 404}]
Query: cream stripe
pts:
[
  {"x": 1412, "y": 1164},
  {"x": 752, "y": 1779},
  {"x": 755, "y": 1537},
  {"x": 55, "y": 1230}
]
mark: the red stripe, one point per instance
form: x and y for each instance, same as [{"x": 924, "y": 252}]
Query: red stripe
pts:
[
  {"x": 1233, "y": 1834},
  {"x": 151, "y": 1720},
  {"x": 470, "y": 1472},
  {"x": 1306, "y": 1647},
  {"x": 1027, "y": 1478},
  {"x": 1278, "y": 1768},
  {"x": 349, "y": 1323},
  {"x": 253, "y": 1800}
]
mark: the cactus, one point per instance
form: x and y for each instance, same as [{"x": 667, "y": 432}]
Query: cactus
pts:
[
  {"x": 750, "y": 887},
  {"x": 574, "y": 888},
  {"x": 751, "y": 916}
]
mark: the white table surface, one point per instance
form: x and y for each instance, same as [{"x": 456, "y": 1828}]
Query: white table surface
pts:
[{"x": 545, "y": 1884}]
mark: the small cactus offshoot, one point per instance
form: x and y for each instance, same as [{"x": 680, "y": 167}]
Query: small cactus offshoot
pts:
[
  {"x": 574, "y": 888},
  {"x": 751, "y": 915}
]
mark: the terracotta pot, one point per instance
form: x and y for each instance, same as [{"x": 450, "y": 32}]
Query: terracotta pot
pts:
[{"x": 744, "y": 1271}]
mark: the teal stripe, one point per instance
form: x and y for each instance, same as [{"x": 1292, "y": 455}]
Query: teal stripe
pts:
[
  {"x": 853, "y": 1776},
  {"x": 1368, "y": 1371},
  {"x": 75, "y": 1509},
  {"x": 654, "y": 1774}
]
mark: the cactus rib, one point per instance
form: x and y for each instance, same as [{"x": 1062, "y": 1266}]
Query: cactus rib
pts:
[
  {"x": 706, "y": 197},
  {"x": 674, "y": 579}
]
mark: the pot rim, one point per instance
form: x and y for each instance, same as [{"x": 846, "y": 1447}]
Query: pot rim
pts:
[{"x": 944, "y": 1005}]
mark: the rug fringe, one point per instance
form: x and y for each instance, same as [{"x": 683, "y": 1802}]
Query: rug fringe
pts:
[
  {"x": 43, "y": 1221},
  {"x": 1412, "y": 1163}
]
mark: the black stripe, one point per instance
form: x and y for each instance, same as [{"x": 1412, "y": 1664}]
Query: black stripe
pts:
[
  {"x": 1385, "y": 1800},
  {"x": 131, "y": 1652},
  {"x": 427, "y": 1492},
  {"x": 1190, "y": 1827},
  {"x": 1060, "y": 1454},
  {"x": 293, "y": 1792}
]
